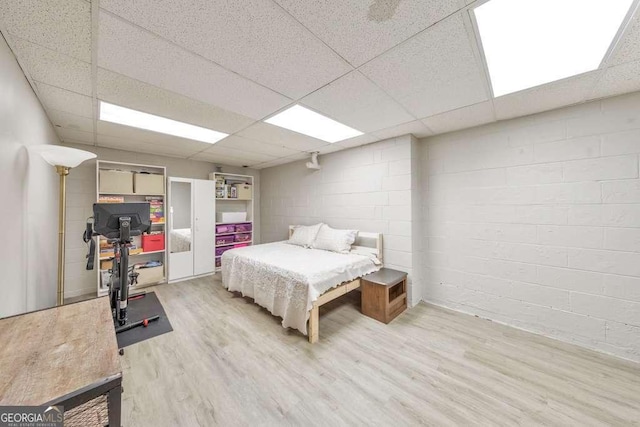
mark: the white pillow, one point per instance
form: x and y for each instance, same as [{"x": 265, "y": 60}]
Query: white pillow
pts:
[
  {"x": 334, "y": 240},
  {"x": 304, "y": 235}
]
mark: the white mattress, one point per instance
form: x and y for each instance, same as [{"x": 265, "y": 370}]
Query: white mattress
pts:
[{"x": 286, "y": 279}]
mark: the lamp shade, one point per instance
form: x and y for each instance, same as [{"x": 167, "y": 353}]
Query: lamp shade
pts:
[{"x": 57, "y": 155}]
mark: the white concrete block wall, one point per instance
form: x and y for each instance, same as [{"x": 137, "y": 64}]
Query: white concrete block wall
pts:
[
  {"x": 81, "y": 195},
  {"x": 535, "y": 222},
  {"x": 368, "y": 188}
]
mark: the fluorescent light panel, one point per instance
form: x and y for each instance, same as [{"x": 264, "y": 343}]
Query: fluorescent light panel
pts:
[
  {"x": 125, "y": 116},
  {"x": 307, "y": 122},
  {"x": 532, "y": 42}
]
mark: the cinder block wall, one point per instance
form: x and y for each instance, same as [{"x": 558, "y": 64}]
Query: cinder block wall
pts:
[
  {"x": 367, "y": 188},
  {"x": 535, "y": 222}
]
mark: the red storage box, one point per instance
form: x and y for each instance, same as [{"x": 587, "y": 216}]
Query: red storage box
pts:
[
  {"x": 227, "y": 228},
  {"x": 243, "y": 227},
  {"x": 224, "y": 240},
  {"x": 152, "y": 242},
  {"x": 243, "y": 237}
]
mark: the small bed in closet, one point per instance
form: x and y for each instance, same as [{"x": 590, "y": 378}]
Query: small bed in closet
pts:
[{"x": 293, "y": 278}]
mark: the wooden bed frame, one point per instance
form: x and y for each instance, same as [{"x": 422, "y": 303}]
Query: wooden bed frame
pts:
[{"x": 374, "y": 242}]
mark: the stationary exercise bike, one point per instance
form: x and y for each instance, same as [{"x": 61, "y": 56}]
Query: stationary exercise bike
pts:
[{"x": 119, "y": 223}]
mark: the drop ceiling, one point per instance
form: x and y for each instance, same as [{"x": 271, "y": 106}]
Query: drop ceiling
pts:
[{"x": 384, "y": 67}]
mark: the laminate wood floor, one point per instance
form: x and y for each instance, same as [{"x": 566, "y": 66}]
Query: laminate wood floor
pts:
[{"x": 229, "y": 362}]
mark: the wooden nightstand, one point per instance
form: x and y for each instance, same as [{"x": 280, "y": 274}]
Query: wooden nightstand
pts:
[{"x": 384, "y": 294}]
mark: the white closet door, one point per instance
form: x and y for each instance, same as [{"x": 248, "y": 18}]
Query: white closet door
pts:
[
  {"x": 205, "y": 226},
  {"x": 181, "y": 250}
]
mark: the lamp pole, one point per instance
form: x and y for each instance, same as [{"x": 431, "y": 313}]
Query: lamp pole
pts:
[{"x": 63, "y": 171}]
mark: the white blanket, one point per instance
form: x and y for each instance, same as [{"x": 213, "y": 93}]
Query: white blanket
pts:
[
  {"x": 181, "y": 240},
  {"x": 286, "y": 279}
]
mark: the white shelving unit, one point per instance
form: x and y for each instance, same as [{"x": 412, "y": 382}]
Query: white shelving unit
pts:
[
  {"x": 225, "y": 203},
  {"x": 132, "y": 197}
]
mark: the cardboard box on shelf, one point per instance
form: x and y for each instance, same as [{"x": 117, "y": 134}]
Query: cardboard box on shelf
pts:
[
  {"x": 148, "y": 183},
  {"x": 115, "y": 181}
]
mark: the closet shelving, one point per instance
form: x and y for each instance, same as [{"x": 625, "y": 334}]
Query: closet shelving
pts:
[
  {"x": 228, "y": 200},
  {"x": 159, "y": 197}
]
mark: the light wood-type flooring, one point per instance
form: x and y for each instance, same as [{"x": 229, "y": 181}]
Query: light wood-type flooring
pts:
[{"x": 229, "y": 362}]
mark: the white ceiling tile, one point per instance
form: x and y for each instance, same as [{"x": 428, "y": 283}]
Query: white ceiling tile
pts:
[
  {"x": 433, "y": 72},
  {"x": 122, "y": 90},
  {"x": 255, "y": 146},
  {"x": 280, "y": 136},
  {"x": 67, "y": 134},
  {"x": 182, "y": 149},
  {"x": 361, "y": 30},
  {"x": 61, "y": 25},
  {"x": 48, "y": 66},
  {"x": 136, "y": 53},
  {"x": 416, "y": 128},
  {"x": 281, "y": 161},
  {"x": 248, "y": 157},
  {"x": 628, "y": 48},
  {"x": 64, "y": 100},
  {"x": 462, "y": 118},
  {"x": 255, "y": 38},
  {"x": 219, "y": 159},
  {"x": 70, "y": 121},
  {"x": 357, "y": 141},
  {"x": 355, "y": 101},
  {"x": 618, "y": 80},
  {"x": 547, "y": 97}
]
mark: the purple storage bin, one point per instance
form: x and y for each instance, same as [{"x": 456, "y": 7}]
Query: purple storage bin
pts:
[
  {"x": 220, "y": 251},
  {"x": 243, "y": 227},
  {"x": 227, "y": 228},
  {"x": 224, "y": 240},
  {"x": 218, "y": 262},
  {"x": 243, "y": 237}
]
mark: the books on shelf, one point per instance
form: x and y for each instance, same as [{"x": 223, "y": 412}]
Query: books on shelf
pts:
[
  {"x": 156, "y": 206},
  {"x": 111, "y": 199}
]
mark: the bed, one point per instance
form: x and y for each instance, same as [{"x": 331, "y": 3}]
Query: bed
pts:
[
  {"x": 181, "y": 240},
  {"x": 292, "y": 282}
]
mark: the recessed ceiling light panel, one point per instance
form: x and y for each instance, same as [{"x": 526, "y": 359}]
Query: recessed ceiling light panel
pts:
[
  {"x": 307, "y": 122},
  {"x": 532, "y": 42},
  {"x": 125, "y": 116}
]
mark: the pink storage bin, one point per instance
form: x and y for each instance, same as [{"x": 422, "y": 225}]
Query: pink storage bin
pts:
[
  {"x": 220, "y": 251},
  {"x": 240, "y": 245},
  {"x": 227, "y": 228},
  {"x": 243, "y": 237},
  {"x": 224, "y": 240},
  {"x": 243, "y": 227}
]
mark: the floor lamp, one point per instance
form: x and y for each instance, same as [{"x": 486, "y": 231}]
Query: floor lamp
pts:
[{"x": 63, "y": 158}]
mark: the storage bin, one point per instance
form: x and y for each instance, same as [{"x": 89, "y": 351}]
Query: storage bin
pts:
[
  {"x": 223, "y": 249},
  {"x": 149, "y": 275},
  {"x": 231, "y": 216},
  {"x": 243, "y": 191},
  {"x": 218, "y": 262},
  {"x": 115, "y": 182},
  {"x": 148, "y": 183},
  {"x": 244, "y": 227},
  {"x": 152, "y": 242},
  {"x": 227, "y": 228},
  {"x": 224, "y": 240},
  {"x": 240, "y": 245},
  {"x": 243, "y": 237}
]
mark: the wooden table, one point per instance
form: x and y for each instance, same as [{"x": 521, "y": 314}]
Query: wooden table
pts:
[
  {"x": 65, "y": 355},
  {"x": 384, "y": 294}
]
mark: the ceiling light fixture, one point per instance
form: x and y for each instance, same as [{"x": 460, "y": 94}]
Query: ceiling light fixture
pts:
[
  {"x": 128, "y": 117},
  {"x": 307, "y": 122},
  {"x": 528, "y": 43}
]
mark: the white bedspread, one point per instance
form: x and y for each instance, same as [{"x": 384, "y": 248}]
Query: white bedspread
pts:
[
  {"x": 181, "y": 240},
  {"x": 286, "y": 279}
]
